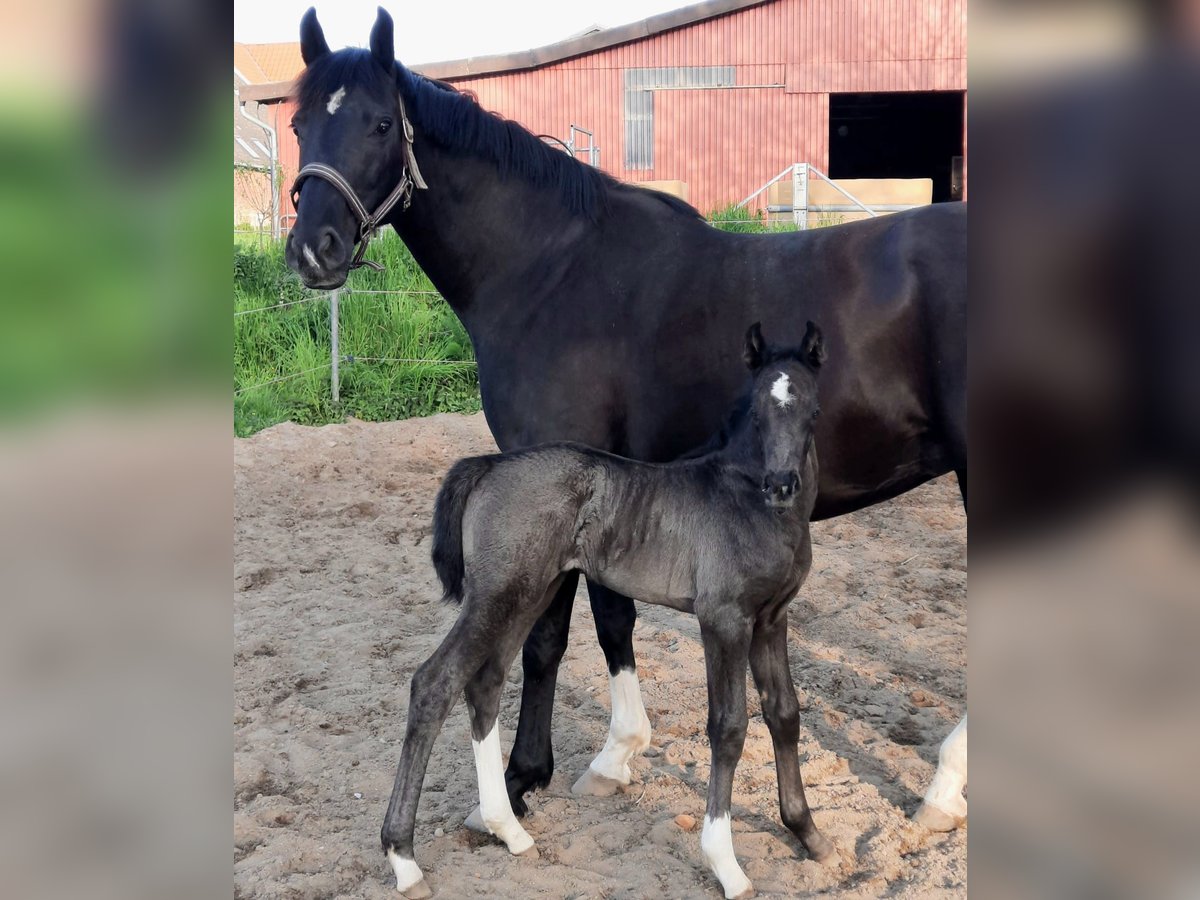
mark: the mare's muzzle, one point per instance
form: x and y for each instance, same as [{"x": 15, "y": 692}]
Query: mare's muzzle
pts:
[{"x": 780, "y": 488}]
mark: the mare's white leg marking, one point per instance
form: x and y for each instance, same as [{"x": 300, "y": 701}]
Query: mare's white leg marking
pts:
[
  {"x": 716, "y": 843},
  {"x": 335, "y": 100},
  {"x": 494, "y": 806},
  {"x": 311, "y": 257},
  {"x": 628, "y": 730},
  {"x": 945, "y": 791},
  {"x": 779, "y": 390},
  {"x": 407, "y": 872}
]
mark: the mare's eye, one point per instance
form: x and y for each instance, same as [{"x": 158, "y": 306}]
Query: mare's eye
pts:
[
  {"x": 816, "y": 412},
  {"x": 383, "y": 127}
]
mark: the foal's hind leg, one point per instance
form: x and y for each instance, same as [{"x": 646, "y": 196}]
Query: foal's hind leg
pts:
[
  {"x": 772, "y": 675},
  {"x": 532, "y": 760},
  {"x": 495, "y": 813},
  {"x": 726, "y": 647},
  {"x": 435, "y": 685}
]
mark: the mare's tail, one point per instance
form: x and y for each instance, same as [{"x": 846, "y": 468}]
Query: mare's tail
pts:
[{"x": 447, "y": 522}]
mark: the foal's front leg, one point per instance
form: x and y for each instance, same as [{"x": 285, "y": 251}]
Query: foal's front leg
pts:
[
  {"x": 781, "y": 710},
  {"x": 726, "y": 647}
]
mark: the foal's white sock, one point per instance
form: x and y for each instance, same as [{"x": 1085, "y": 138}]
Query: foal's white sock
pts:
[
  {"x": 494, "y": 807},
  {"x": 716, "y": 843}
]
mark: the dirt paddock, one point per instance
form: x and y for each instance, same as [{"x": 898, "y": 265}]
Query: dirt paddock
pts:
[{"x": 336, "y": 605}]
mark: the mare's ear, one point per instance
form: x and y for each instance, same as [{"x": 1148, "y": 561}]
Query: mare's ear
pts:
[
  {"x": 755, "y": 351},
  {"x": 312, "y": 38},
  {"x": 813, "y": 346},
  {"x": 382, "y": 42}
]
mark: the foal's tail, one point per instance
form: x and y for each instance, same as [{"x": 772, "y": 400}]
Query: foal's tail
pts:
[{"x": 447, "y": 522}]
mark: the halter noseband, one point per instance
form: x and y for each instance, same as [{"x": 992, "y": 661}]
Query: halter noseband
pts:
[{"x": 410, "y": 177}]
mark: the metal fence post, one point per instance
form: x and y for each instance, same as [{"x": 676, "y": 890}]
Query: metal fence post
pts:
[
  {"x": 800, "y": 195},
  {"x": 334, "y": 380}
]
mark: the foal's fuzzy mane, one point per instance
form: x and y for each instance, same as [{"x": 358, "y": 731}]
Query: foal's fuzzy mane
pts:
[{"x": 456, "y": 122}]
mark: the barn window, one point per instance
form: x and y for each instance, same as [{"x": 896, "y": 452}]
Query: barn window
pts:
[{"x": 640, "y": 85}]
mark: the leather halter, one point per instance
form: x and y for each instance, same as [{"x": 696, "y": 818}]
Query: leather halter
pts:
[{"x": 410, "y": 177}]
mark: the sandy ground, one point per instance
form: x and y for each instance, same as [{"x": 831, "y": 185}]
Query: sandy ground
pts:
[{"x": 336, "y": 605}]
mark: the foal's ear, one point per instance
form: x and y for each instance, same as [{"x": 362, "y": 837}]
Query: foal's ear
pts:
[
  {"x": 382, "y": 43},
  {"x": 813, "y": 346},
  {"x": 755, "y": 351},
  {"x": 312, "y": 38}
]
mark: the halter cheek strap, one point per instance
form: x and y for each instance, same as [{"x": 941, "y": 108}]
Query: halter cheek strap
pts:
[{"x": 410, "y": 177}]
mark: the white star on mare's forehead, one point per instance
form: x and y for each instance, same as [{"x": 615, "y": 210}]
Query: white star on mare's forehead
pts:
[
  {"x": 779, "y": 390},
  {"x": 335, "y": 100}
]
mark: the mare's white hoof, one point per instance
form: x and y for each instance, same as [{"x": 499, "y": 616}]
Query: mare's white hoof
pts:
[
  {"x": 530, "y": 853},
  {"x": 521, "y": 844},
  {"x": 929, "y": 816},
  {"x": 592, "y": 784},
  {"x": 418, "y": 891},
  {"x": 475, "y": 822},
  {"x": 744, "y": 895}
]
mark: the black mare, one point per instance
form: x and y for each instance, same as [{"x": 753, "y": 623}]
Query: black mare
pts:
[
  {"x": 600, "y": 313},
  {"x": 508, "y": 528}
]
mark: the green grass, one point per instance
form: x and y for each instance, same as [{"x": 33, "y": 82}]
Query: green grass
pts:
[
  {"x": 746, "y": 221},
  {"x": 285, "y": 343},
  {"x": 275, "y": 349}
]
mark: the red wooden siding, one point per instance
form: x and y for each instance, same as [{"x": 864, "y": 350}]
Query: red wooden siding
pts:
[{"x": 726, "y": 143}]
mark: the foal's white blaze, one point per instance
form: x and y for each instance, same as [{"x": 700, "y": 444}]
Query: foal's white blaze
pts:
[
  {"x": 779, "y": 390},
  {"x": 335, "y": 100},
  {"x": 311, "y": 257},
  {"x": 945, "y": 791},
  {"x": 407, "y": 871},
  {"x": 494, "y": 807},
  {"x": 716, "y": 843},
  {"x": 628, "y": 730}
]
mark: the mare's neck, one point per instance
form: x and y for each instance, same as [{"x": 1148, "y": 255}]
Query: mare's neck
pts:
[{"x": 481, "y": 237}]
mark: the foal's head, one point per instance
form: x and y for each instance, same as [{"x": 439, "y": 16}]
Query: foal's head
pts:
[
  {"x": 348, "y": 117},
  {"x": 783, "y": 408}
]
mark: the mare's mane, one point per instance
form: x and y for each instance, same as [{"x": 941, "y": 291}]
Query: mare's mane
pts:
[{"x": 455, "y": 121}]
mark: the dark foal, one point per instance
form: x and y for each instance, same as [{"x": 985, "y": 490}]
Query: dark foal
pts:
[{"x": 724, "y": 535}]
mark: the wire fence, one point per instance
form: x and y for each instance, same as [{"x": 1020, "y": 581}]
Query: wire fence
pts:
[{"x": 336, "y": 358}]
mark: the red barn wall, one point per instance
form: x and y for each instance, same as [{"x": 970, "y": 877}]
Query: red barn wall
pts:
[{"x": 725, "y": 143}]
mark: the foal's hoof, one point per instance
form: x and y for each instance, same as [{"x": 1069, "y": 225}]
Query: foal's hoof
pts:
[
  {"x": 592, "y": 784},
  {"x": 531, "y": 853},
  {"x": 744, "y": 895},
  {"x": 475, "y": 822},
  {"x": 821, "y": 849},
  {"x": 418, "y": 891},
  {"x": 929, "y": 816}
]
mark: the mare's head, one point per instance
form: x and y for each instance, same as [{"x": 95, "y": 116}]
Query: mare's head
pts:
[
  {"x": 348, "y": 117},
  {"x": 783, "y": 408}
]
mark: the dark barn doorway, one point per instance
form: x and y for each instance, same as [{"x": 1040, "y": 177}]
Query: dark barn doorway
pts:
[{"x": 899, "y": 135}]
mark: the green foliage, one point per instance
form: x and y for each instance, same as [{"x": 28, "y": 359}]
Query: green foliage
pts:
[
  {"x": 746, "y": 221},
  {"x": 403, "y": 355}
]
